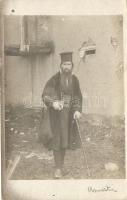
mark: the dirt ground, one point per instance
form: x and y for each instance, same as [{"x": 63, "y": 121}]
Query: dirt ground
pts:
[{"x": 103, "y": 140}]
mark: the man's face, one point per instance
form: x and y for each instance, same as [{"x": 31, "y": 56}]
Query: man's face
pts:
[{"x": 66, "y": 66}]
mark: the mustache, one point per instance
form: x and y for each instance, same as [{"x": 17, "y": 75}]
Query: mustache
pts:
[{"x": 66, "y": 69}]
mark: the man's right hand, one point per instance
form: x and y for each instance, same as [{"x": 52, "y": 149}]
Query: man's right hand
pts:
[{"x": 57, "y": 105}]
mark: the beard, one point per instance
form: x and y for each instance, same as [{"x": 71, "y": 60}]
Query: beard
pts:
[
  {"x": 66, "y": 72},
  {"x": 66, "y": 80}
]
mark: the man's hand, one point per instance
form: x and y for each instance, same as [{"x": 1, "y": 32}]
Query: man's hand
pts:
[
  {"x": 58, "y": 105},
  {"x": 77, "y": 115}
]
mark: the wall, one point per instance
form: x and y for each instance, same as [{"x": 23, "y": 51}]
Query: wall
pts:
[
  {"x": 25, "y": 76},
  {"x": 101, "y": 86}
]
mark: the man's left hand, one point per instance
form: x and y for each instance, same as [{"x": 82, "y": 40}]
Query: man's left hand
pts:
[{"x": 77, "y": 115}]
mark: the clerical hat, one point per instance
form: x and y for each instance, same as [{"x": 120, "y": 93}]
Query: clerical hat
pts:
[{"x": 66, "y": 56}]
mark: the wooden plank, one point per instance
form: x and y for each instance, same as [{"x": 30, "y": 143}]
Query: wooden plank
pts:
[
  {"x": 31, "y": 50},
  {"x": 12, "y": 166}
]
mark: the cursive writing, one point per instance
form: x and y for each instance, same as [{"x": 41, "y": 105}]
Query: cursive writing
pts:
[{"x": 102, "y": 189}]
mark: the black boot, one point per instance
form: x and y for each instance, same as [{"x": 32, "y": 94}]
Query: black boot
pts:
[
  {"x": 64, "y": 170},
  {"x": 58, "y": 164}
]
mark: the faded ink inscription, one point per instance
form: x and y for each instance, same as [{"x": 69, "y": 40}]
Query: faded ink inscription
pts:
[{"x": 101, "y": 189}]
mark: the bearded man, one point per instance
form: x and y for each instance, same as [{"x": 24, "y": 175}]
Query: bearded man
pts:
[{"x": 63, "y": 98}]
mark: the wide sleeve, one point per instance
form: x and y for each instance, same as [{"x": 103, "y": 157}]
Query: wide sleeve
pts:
[
  {"x": 77, "y": 99},
  {"x": 49, "y": 93}
]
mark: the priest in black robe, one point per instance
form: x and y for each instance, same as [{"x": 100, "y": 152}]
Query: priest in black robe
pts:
[{"x": 63, "y": 98}]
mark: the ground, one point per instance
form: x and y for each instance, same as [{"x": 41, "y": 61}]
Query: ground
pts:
[{"x": 103, "y": 141}]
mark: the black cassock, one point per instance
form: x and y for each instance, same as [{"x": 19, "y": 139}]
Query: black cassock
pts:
[{"x": 63, "y": 127}]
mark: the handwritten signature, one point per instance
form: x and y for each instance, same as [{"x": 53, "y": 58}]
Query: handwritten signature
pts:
[{"x": 102, "y": 189}]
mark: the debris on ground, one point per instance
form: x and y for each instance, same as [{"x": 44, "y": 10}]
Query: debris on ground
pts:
[
  {"x": 21, "y": 133},
  {"x": 111, "y": 166},
  {"x": 43, "y": 156},
  {"x": 103, "y": 139}
]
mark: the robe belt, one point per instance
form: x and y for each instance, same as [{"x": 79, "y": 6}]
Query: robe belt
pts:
[{"x": 66, "y": 100}]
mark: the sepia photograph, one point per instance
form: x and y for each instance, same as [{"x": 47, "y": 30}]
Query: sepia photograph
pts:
[{"x": 64, "y": 97}]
